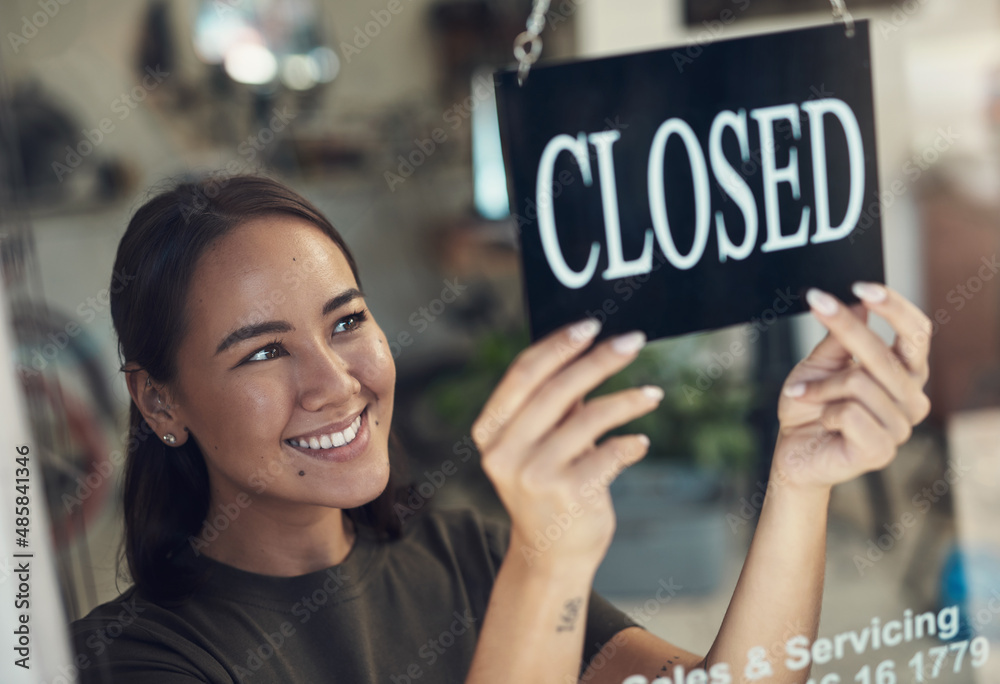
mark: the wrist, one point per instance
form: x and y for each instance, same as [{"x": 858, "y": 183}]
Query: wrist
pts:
[
  {"x": 805, "y": 501},
  {"x": 548, "y": 562},
  {"x": 791, "y": 474},
  {"x": 781, "y": 482}
]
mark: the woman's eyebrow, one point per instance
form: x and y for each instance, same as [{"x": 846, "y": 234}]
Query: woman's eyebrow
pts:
[
  {"x": 341, "y": 299},
  {"x": 252, "y": 330},
  {"x": 249, "y": 331}
]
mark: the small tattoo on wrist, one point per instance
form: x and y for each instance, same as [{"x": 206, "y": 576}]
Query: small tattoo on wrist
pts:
[{"x": 571, "y": 611}]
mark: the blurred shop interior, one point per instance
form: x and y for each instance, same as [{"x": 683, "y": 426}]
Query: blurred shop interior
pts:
[{"x": 340, "y": 100}]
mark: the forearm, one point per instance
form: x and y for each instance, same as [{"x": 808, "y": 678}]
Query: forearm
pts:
[
  {"x": 779, "y": 593},
  {"x": 534, "y": 625}
]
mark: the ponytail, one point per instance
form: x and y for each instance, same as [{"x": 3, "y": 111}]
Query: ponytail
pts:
[{"x": 166, "y": 500}]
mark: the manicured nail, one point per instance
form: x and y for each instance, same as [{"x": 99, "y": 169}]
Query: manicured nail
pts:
[
  {"x": 796, "y": 390},
  {"x": 653, "y": 392},
  {"x": 869, "y": 292},
  {"x": 629, "y": 343},
  {"x": 821, "y": 301},
  {"x": 584, "y": 330},
  {"x": 644, "y": 440}
]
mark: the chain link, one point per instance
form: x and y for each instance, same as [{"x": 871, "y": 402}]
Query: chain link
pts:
[
  {"x": 528, "y": 44},
  {"x": 841, "y": 13}
]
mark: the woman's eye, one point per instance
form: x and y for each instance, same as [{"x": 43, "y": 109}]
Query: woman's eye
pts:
[
  {"x": 271, "y": 351},
  {"x": 350, "y": 322}
]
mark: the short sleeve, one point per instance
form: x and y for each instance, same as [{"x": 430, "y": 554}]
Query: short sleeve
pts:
[
  {"x": 604, "y": 620},
  {"x": 109, "y": 651}
]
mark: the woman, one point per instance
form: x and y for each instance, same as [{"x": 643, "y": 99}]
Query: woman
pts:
[{"x": 259, "y": 489}]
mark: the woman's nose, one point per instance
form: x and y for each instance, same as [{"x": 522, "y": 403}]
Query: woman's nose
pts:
[{"x": 326, "y": 378}]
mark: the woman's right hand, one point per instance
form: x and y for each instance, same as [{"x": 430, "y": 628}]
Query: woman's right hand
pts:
[{"x": 538, "y": 438}]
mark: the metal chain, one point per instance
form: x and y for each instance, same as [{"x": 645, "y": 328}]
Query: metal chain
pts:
[
  {"x": 841, "y": 13},
  {"x": 528, "y": 44}
]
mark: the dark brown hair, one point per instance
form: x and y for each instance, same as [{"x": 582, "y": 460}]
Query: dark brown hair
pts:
[{"x": 166, "y": 492}]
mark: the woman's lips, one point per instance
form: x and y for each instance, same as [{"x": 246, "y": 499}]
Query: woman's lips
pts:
[{"x": 346, "y": 452}]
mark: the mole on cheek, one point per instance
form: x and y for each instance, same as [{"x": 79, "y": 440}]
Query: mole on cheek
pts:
[{"x": 302, "y": 473}]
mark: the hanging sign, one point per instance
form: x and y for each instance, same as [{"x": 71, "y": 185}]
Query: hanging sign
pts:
[{"x": 682, "y": 190}]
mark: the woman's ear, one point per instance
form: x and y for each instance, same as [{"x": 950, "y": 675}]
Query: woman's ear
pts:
[{"x": 156, "y": 406}]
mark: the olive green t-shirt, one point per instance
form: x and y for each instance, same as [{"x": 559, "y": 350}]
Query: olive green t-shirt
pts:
[{"x": 401, "y": 612}]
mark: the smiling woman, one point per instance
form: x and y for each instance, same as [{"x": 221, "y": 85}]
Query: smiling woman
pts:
[
  {"x": 259, "y": 524},
  {"x": 221, "y": 276},
  {"x": 260, "y": 480}
]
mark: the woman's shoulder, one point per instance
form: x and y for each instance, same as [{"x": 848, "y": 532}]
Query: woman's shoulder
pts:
[
  {"x": 130, "y": 628},
  {"x": 119, "y": 615}
]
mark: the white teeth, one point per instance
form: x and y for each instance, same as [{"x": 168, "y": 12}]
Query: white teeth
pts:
[{"x": 334, "y": 439}]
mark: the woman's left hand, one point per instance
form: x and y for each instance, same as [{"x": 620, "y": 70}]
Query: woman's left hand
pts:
[{"x": 846, "y": 407}]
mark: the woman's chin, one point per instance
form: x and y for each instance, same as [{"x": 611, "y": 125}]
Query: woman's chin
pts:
[{"x": 366, "y": 486}]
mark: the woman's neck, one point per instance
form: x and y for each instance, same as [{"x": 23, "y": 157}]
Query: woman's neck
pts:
[{"x": 282, "y": 543}]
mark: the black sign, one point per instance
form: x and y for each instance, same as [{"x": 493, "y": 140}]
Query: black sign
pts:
[{"x": 676, "y": 190}]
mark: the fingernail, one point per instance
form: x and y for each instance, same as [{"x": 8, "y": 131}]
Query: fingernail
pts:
[
  {"x": 653, "y": 392},
  {"x": 585, "y": 329},
  {"x": 869, "y": 292},
  {"x": 644, "y": 440},
  {"x": 821, "y": 301},
  {"x": 796, "y": 390},
  {"x": 629, "y": 343}
]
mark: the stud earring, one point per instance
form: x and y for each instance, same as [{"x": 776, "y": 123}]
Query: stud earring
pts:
[{"x": 169, "y": 438}]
